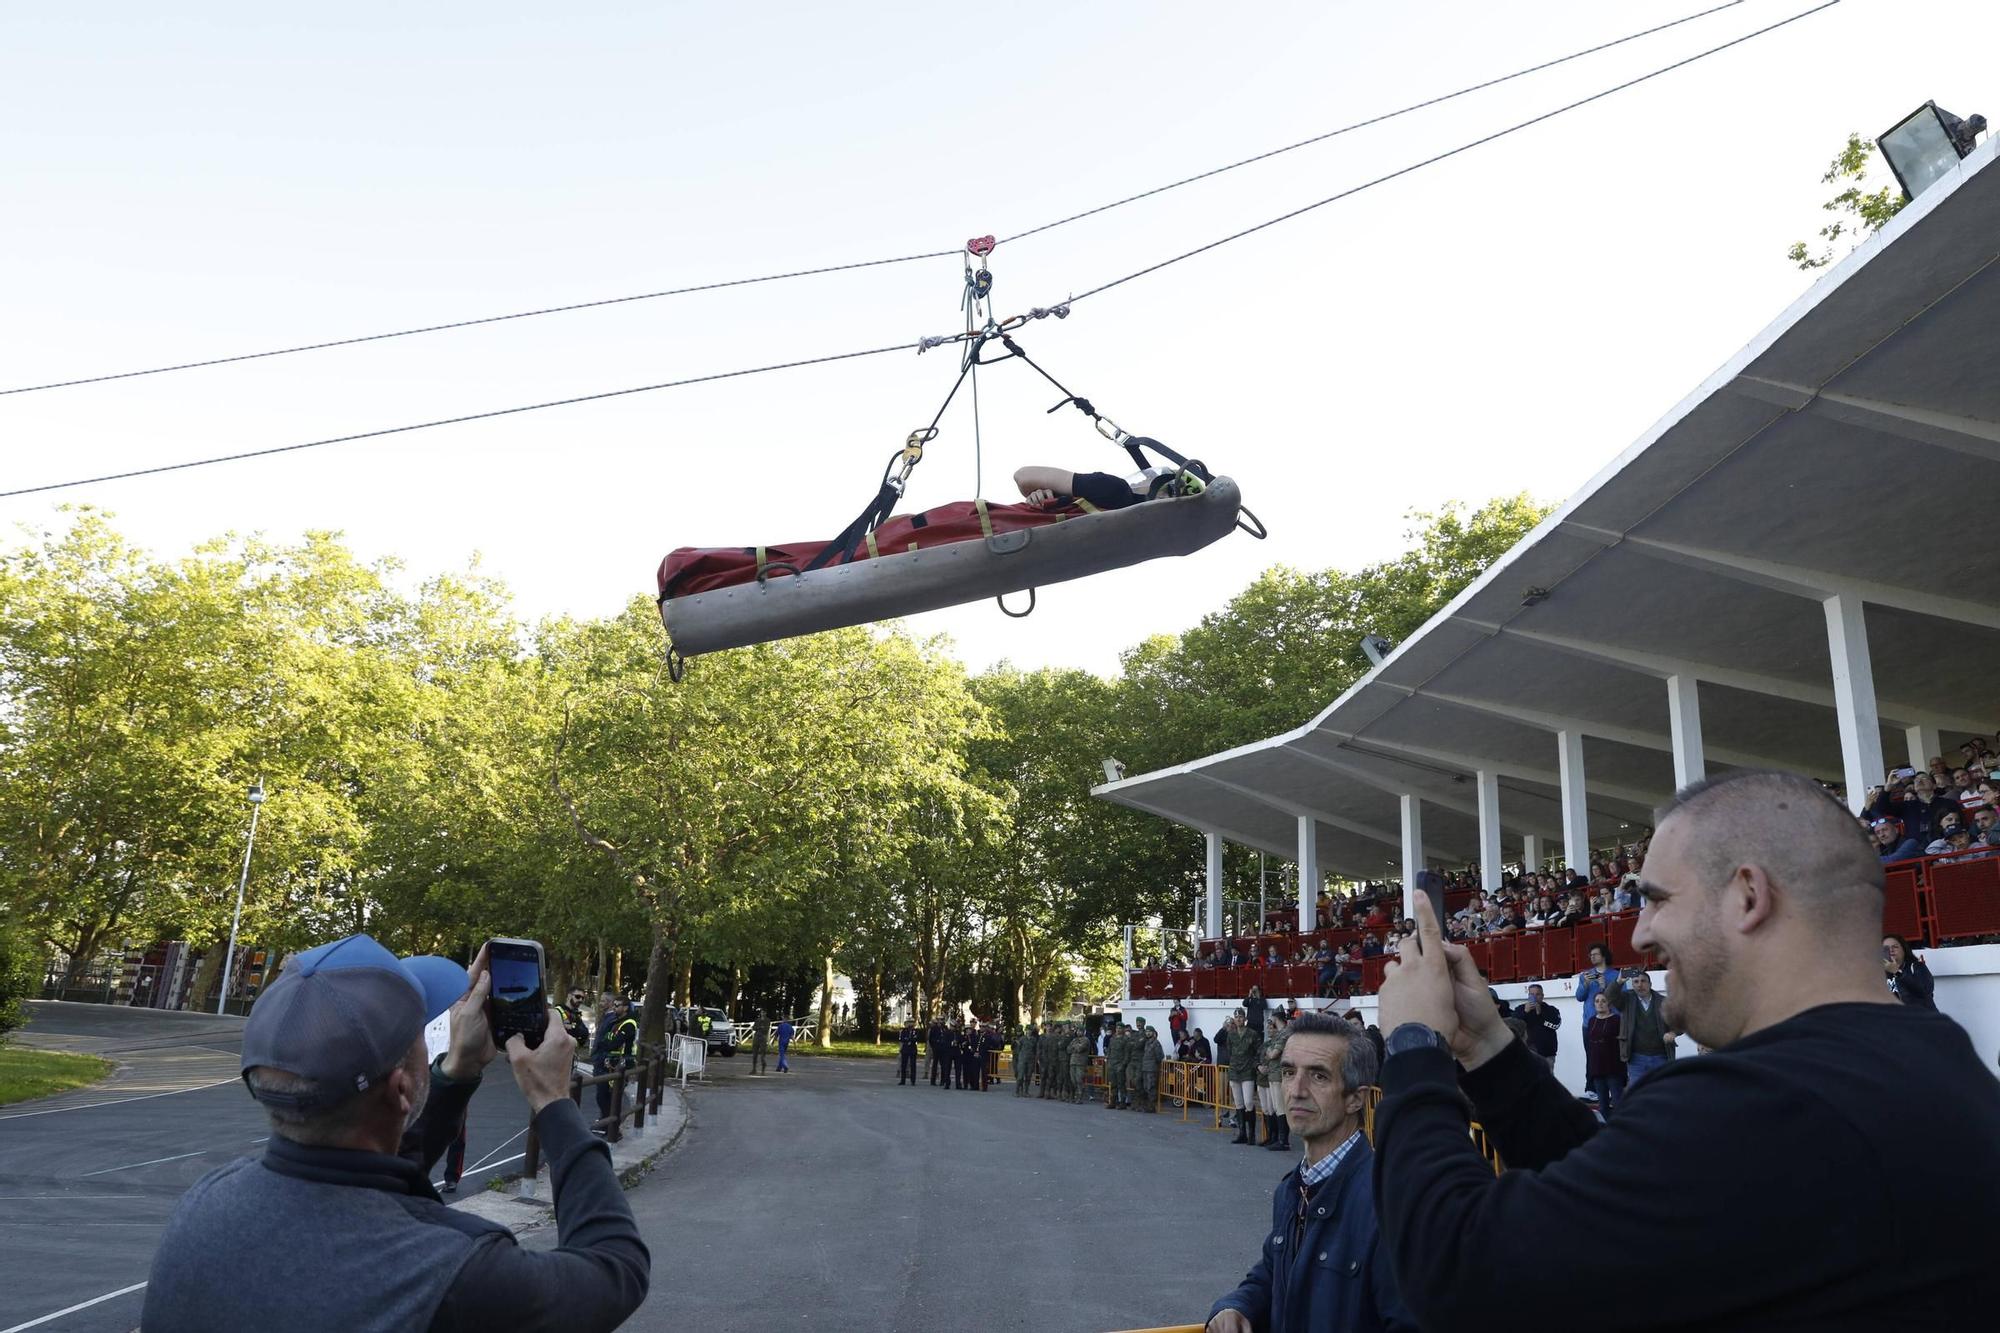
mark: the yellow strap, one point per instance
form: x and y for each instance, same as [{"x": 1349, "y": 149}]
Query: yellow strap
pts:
[
  {"x": 985, "y": 519},
  {"x": 760, "y": 564},
  {"x": 913, "y": 546},
  {"x": 1085, "y": 505},
  {"x": 872, "y": 552}
]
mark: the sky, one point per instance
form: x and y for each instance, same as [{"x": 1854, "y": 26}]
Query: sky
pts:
[{"x": 229, "y": 177}]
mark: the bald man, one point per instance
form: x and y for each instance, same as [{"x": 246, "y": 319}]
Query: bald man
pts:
[{"x": 1833, "y": 1163}]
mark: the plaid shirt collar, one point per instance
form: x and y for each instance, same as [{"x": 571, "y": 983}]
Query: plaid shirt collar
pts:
[{"x": 1310, "y": 1175}]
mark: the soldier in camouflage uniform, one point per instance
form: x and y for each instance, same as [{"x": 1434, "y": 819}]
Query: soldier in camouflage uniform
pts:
[
  {"x": 1079, "y": 1062},
  {"x": 1114, "y": 1065},
  {"x": 1150, "y": 1055},
  {"x": 1135, "y": 1042},
  {"x": 1045, "y": 1060},
  {"x": 1024, "y": 1058}
]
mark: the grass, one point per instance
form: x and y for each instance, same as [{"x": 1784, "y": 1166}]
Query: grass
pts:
[
  {"x": 866, "y": 1050},
  {"x": 26, "y": 1074}
]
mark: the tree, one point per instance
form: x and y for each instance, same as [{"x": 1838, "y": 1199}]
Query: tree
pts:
[{"x": 1857, "y": 210}]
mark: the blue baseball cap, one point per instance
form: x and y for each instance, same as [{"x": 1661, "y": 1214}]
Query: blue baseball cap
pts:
[{"x": 343, "y": 1015}]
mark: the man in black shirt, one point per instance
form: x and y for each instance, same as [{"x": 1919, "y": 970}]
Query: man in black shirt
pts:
[
  {"x": 1544, "y": 1025},
  {"x": 1769, "y": 1177}
]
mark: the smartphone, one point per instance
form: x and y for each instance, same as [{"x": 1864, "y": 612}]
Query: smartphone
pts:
[
  {"x": 1431, "y": 885},
  {"x": 518, "y": 1000}
]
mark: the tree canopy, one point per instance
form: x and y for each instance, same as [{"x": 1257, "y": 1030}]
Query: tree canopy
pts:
[{"x": 438, "y": 771}]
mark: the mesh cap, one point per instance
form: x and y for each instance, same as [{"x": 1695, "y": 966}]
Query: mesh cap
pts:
[{"x": 343, "y": 1015}]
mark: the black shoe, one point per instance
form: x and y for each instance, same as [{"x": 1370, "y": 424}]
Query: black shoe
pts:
[
  {"x": 449, "y": 1187},
  {"x": 1241, "y": 1135}
]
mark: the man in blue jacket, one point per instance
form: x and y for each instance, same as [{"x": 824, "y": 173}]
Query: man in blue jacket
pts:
[{"x": 1322, "y": 1266}]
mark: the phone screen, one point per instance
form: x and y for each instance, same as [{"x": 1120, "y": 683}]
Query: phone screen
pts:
[{"x": 517, "y": 1003}]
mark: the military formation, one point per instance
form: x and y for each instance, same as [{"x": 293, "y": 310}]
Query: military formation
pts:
[
  {"x": 1052, "y": 1063},
  {"x": 960, "y": 1054}
]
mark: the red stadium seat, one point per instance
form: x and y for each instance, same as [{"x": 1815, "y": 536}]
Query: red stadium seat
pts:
[
  {"x": 1372, "y": 971},
  {"x": 1503, "y": 951},
  {"x": 1902, "y": 904},
  {"x": 1304, "y": 980},
  {"x": 1965, "y": 899},
  {"x": 1559, "y": 952},
  {"x": 1482, "y": 955},
  {"x": 1618, "y": 932},
  {"x": 1587, "y": 934}
]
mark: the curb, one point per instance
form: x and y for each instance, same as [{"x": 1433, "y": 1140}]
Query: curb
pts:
[{"x": 524, "y": 1206}]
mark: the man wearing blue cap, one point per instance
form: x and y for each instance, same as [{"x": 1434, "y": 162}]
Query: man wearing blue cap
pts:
[{"x": 336, "y": 1226}]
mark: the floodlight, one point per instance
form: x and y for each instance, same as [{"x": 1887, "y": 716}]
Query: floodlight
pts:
[
  {"x": 1376, "y": 649},
  {"x": 1113, "y": 770},
  {"x": 1926, "y": 144}
]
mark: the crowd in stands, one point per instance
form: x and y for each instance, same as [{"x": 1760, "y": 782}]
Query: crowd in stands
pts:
[{"x": 1946, "y": 811}]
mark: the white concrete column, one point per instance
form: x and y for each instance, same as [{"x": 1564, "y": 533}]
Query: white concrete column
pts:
[
  {"x": 1214, "y": 904},
  {"x": 1413, "y": 849},
  {"x": 1531, "y": 852},
  {"x": 1575, "y": 812},
  {"x": 1923, "y": 743},
  {"x": 1854, "y": 696},
  {"x": 1684, "y": 722},
  {"x": 1128, "y": 959},
  {"x": 1489, "y": 829},
  {"x": 1309, "y": 879}
]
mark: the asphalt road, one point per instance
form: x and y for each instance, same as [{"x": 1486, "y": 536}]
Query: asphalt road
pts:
[
  {"x": 830, "y": 1198},
  {"x": 88, "y": 1179}
]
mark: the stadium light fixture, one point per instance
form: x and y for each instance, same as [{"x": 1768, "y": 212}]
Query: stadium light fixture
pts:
[{"x": 1924, "y": 145}]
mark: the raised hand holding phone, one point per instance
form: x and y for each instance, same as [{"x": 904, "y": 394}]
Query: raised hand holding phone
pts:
[{"x": 518, "y": 1003}]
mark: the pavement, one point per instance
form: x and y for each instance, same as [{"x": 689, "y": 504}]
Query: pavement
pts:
[
  {"x": 831, "y": 1198},
  {"x": 826, "y": 1198},
  {"x": 88, "y": 1178}
]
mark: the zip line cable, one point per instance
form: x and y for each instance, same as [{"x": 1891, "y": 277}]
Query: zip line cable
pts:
[
  {"x": 1372, "y": 120},
  {"x": 445, "y": 421},
  {"x": 1450, "y": 152},
  {"x": 904, "y": 347},
  {"x": 866, "y": 263}
]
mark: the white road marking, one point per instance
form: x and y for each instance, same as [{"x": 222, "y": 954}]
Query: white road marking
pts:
[
  {"x": 501, "y": 1148},
  {"x": 81, "y": 1305},
  {"x": 132, "y": 1166},
  {"x": 57, "y": 1110},
  {"x": 439, "y": 1184}
]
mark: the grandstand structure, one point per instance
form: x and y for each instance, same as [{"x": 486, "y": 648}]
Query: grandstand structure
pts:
[{"x": 1792, "y": 569}]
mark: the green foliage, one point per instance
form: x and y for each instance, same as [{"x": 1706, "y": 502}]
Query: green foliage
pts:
[
  {"x": 1858, "y": 210},
  {"x": 20, "y": 978},
  {"x": 438, "y": 772}
]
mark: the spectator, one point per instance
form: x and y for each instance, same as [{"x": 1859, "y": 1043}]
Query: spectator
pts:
[
  {"x": 1603, "y": 1036},
  {"x": 1322, "y": 1264},
  {"x": 336, "y": 1226},
  {"x": 1891, "y": 844},
  {"x": 1960, "y": 841},
  {"x": 1378, "y": 917},
  {"x": 1544, "y": 1024},
  {"x": 1599, "y": 977},
  {"x": 1909, "y": 977},
  {"x": 1948, "y": 823},
  {"x": 1199, "y": 1050},
  {"x": 1371, "y": 946},
  {"x": 1765, "y": 903},
  {"x": 1177, "y": 1021},
  {"x": 1255, "y": 1010},
  {"x": 1244, "y": 1048},
  {"x": 1645, "y": 1038},
  {"x": 1985, "y": 821}
]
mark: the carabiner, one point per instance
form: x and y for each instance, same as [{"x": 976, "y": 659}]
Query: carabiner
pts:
[{"x": 1114, "y": 434}]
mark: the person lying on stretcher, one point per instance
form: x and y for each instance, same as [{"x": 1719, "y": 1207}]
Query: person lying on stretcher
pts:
[{"x": 1050, "y": 487}]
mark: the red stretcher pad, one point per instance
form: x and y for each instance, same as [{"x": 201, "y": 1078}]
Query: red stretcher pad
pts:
[{"x": 694, "y": 569}]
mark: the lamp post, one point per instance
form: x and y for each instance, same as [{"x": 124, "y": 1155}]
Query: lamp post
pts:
[{"x": 256, "y": 799}]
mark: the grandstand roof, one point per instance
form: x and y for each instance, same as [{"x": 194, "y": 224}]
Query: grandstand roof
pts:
[{"x": 1852, "y": 447}]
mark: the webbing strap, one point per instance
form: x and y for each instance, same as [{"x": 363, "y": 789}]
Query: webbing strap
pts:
[
  {"x": 985, "y": 519},
  {"x": 760, "y": 564},
  {"x": 1085, "y": 505},
  {"x": 872, "y": 552}
]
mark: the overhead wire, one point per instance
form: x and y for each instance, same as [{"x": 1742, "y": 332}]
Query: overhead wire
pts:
[
  {"x": 443, "y": 421},
  {"x": 866, "y": 263},
  {"x": 878, "y": 351},
  {"x": 1448, "y": 153}
]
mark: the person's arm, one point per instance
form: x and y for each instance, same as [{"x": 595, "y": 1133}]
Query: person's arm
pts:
[
  {"x": 1916, "y": 979},
  {"x": 595, "y": 1277},
  {"x": 437, "y": 1125},
  {"x": 1450, "y": 1224},
  {"x": 1252, "y": 1297}
]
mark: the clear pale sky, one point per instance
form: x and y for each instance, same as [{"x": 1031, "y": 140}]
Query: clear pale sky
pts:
[{"x": 228, "y": 177}]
